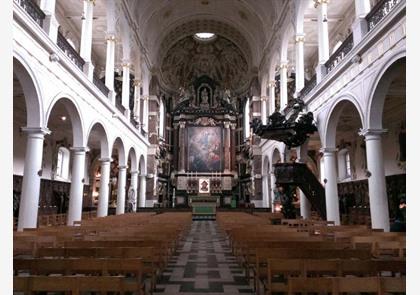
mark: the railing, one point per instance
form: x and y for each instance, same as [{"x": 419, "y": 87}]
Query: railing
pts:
[
  {"x": 379, "y": 11},
  {"x": 308, "y": 87},
  {"x": 70, "y": 51},
  {"x": 100, "y": 85},
  {"x": 33, "y": 10},
  {"x": 339, "y": 54},
  {"x": 120, "y": 107}
]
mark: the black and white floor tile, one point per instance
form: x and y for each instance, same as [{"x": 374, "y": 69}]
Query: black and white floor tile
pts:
[{"x": 203, "y": 264}]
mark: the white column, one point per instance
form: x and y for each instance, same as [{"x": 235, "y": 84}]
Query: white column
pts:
[
  {"x": 137, "y": 100},
  {"x": 77, "y": 183},
  {"x": 32, "y": 171},
  {"x": 146, "y": 113},
  {"x": 122, "y": 172},
  {"x": 104, "y": 187},
  {"x": 264, "y": 109},
  {"x": 305, "y": 205},
  {"x": 273, "y": 185},
  {"x": 300, "y": 62},
  {"x": 272, "y": 101},
  {"x": 125, "y": 96},
  {"x": 378, "y": 198},
  {"x": 134, "y": 185},
  {"x": 284, "y": 153},
  {"x": 110, "y": 65},
  {"x": 50, "y": 23},
  {"x": 86, "y": 37},
  {"x": 323, "y": 40},
  {"x": 283, "y": 85},
  {"x": 331, "y": 193},
  {"x": 360, "y": 27},
  {"x": 142, "y": 195}
]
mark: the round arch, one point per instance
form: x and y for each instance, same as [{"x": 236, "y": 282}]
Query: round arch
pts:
[
  {"x": 133, "y": 159},
  {"x": 328, "y": 137},
  {"x": 75, "y": 116},
  {"x": 142, "y": 165},
  {"x": 31, "y": 90},
  {"x": 119, "y": 144},
  {"x": 100, "y": 127},
  {"x": 378, "y": 91},
  {"x": 275, "y": 156}
]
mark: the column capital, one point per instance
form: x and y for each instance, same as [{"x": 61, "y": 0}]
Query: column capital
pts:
[
  {"x": 300, "y": 38},
  {"x": 105, "y": 160},
  {"x": 263, "y": 98},
  {"x": 227, "y": 124},
  {"x": 125, "y": 63},
  {"x": 272, "y": 83},
  {"x": 284, "y": 64},
  {"x": 91, "y": 1},
  {"x": 36, "y": 130},
  {"x": 328, "y": 150},
  {"x": 318, "y": 2},
  {"x": 80, "y": 149},
  {"x": 110, "y": 36},
  {"x": 372, "y": 133},
  {"x": 182, "y": 124},
  {"x": 233, "y": 126},
  {"x": 137, "y": 82}
]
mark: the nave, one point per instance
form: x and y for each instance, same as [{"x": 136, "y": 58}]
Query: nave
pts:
[{"x": 168, "y": 253}]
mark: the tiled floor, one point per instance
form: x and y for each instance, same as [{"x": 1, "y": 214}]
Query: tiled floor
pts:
[{"x": 203, "y": 265}]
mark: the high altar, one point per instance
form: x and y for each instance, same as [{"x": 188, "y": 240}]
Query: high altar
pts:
[{"x": 204, "y": 125}]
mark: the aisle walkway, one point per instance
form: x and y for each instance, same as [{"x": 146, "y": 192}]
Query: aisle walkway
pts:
[{"x": 203, "y": 265}]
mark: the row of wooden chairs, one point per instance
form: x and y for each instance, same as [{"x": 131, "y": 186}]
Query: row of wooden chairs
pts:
[
  {"x": 131, "y": 249},
  {"x": 313, "y": 247}
]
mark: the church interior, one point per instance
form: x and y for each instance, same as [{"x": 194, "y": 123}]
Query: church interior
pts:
[{"x": 209, "y": 147}]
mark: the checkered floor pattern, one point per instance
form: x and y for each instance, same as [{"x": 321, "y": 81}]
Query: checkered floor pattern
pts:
[{"x": 203, "y": 264}]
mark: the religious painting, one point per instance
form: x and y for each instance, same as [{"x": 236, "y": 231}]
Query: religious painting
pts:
[{"x": 204, "y": 149}]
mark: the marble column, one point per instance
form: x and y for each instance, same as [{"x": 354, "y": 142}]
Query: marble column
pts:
[
  {"x": 77, "y": 184},
  {"x": 272, "y": 101},
  {"x": 378, "y": 197},
  {"x": 102, "y": 209},
  {"x": 86, "y": 37},
  {"x": 110, "y": 65},
  {"x": 181, "y": 141},
  {"x": 305, "y": 205},
  {"x": 142, "y": 195},
  {"x": 264, "y": 109},
  {"x": 125, "y": 96},
  {"x": 122, "y": 177},
  {"x": 134, "y": 185},
  {"x": 32, "y": 171},
  {"x": 232, "y": 146},
  {"x": 146, "y": 113},
  {"x": 300, "y": 62},
  {"x": 331, "y": 193},
  {"x": 323, "y": 39},
  {"x": 283, "y": 85},
  {"x": 137, "y": 101},
  {"x": 360, "y": 26},
  {"x": 227, "y": 147},
  {"x": 50, "y": 23}
]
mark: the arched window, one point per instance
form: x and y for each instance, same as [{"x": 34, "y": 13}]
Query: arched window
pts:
[
  {"x": 246, "y": 120},
  {"x": 63, "y": 164}
]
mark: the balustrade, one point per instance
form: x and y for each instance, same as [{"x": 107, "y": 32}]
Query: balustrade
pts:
[
  {"x": 379, "y": 11},
  {"x": 308, "y": 87},
  {"x": 70, "y": 51},
  {"x": 100, "y": 85},
  {"x": 33, "y": 10},
  {"x": 340, "y": 53}
]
